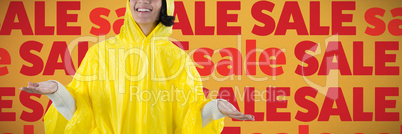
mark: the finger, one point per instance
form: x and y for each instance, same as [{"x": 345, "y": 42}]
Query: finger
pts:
[
  {"x": 249, "y": 117},
  {"x": 30, "y": 90},
  {"x": 23, "y": 88},
  {"x": 239, "y": 117},
  {"x": 33, "y": 84},
  {"x": 31, "y": 87},
  {"x": 26, "y": 89}
]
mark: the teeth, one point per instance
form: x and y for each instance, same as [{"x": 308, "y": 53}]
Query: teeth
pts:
[{"x": 143, "y": 10}]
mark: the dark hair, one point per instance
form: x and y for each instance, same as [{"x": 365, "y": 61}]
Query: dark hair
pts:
[{"x": 164, "y": 18}]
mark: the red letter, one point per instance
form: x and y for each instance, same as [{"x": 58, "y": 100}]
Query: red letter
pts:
[
  {"x": 311, "y": 61},
  {"x": 228, "y": 94},
  {"x": 235, "y": 62},
  {"x": 6, "y": 116},
  {"x": 249, "y": 104},
  {"x": 291, "y": 8},
  {"x": 358, "y": 67},
  {"x": 82, "y": 50},
  {"x": 16, "y": 9},
  {"x": 37, "y": 109},
  {"x": 381, "y": 104},
  {"x": 59, "y": 49},
  {"x": 251, "y": 57},
  {"x": 338, "y": 18},
  {"x": 379, "y": 25},
  {"x": 395, "y": 24},
  {"x": 315, "y": 28},
  {"x": 49, "y": 103},
  {"x": 231, "y": 130},
  {"x": 28, "y": 129},
  {"x": 327, "y": 107},
  {"x": 181, "y": 14},
  {"x": 200, "y": 57},
  {"x": 268, "y": 21},
  {"x": 63, "y": 18},
  {"x": 310, "y": 106},
  {"x": 273, "y": 103},
  {"x": 334, "y": 48},
  {"x": 36, "y": 61},
  {"x": 358, "y": 113},
  {"x": 381, "y": 58},
  {"x": 303, "y": 129},
  {"x": 266, "y": 61},
  {"x": 5, "y": 59},
  {"x": 40, "y": 27},
  {"x": 200, "y": 28},
  {"x": 95, "y": 17},
  {"x": 223, "y": 18},
  {"x": 119, "y": 22},
  {"x": 181, "y": 44}
]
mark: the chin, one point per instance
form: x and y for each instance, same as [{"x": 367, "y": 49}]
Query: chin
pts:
[{"x": 144, "y": 22}]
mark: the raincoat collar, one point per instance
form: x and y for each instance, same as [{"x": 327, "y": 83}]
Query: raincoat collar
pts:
[{"x": 132, "y": 33}]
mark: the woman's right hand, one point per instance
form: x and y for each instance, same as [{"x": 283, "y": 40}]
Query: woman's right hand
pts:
[{"x": 43, "y": 88}]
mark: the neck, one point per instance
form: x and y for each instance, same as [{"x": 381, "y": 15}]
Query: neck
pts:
[{"x": 147, "y": 28}]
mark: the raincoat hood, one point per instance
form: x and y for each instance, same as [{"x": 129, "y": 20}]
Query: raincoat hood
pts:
[{"x": 131, "y": 32}]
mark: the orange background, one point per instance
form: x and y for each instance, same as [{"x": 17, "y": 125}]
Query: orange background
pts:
[{"x": 286, "y": 43}]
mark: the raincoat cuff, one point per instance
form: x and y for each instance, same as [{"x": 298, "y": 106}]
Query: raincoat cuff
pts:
[
  {"x": 63, "y": 101},
  {"x": 210, "y": 112}
]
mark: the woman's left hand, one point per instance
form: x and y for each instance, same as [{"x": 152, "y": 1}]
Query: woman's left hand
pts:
[{"x": 230, "y": 111}]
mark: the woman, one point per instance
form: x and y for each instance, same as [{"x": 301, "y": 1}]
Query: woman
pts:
[{"x": 118, "y": 87}]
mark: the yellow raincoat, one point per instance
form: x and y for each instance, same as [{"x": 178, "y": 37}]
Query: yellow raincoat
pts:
[{"x": 133, "y": 83}]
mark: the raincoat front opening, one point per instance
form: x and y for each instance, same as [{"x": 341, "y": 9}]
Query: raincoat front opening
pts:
[{"x": 133, "y": 83}]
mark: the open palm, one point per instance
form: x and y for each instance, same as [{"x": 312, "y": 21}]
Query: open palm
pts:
[
  {"x": 43, "y": 88},
  {"x": 229, "y": 110}
]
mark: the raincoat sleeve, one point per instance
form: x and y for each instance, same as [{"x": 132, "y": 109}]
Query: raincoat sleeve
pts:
[
  {"x": 190, "y": 108},
  {"x": 84, "y": 80},
  {"x": 211, "y": 112},
  {"x": 63, "y": 101}
]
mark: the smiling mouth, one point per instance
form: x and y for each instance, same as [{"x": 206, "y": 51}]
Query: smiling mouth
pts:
[{"x": 143, "y": 10}]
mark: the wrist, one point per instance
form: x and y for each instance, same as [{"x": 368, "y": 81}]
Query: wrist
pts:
[{"x": 218, "y": 101}]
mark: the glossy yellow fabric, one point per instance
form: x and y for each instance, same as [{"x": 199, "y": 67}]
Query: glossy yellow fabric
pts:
[{"x": 138, "y": 84}]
